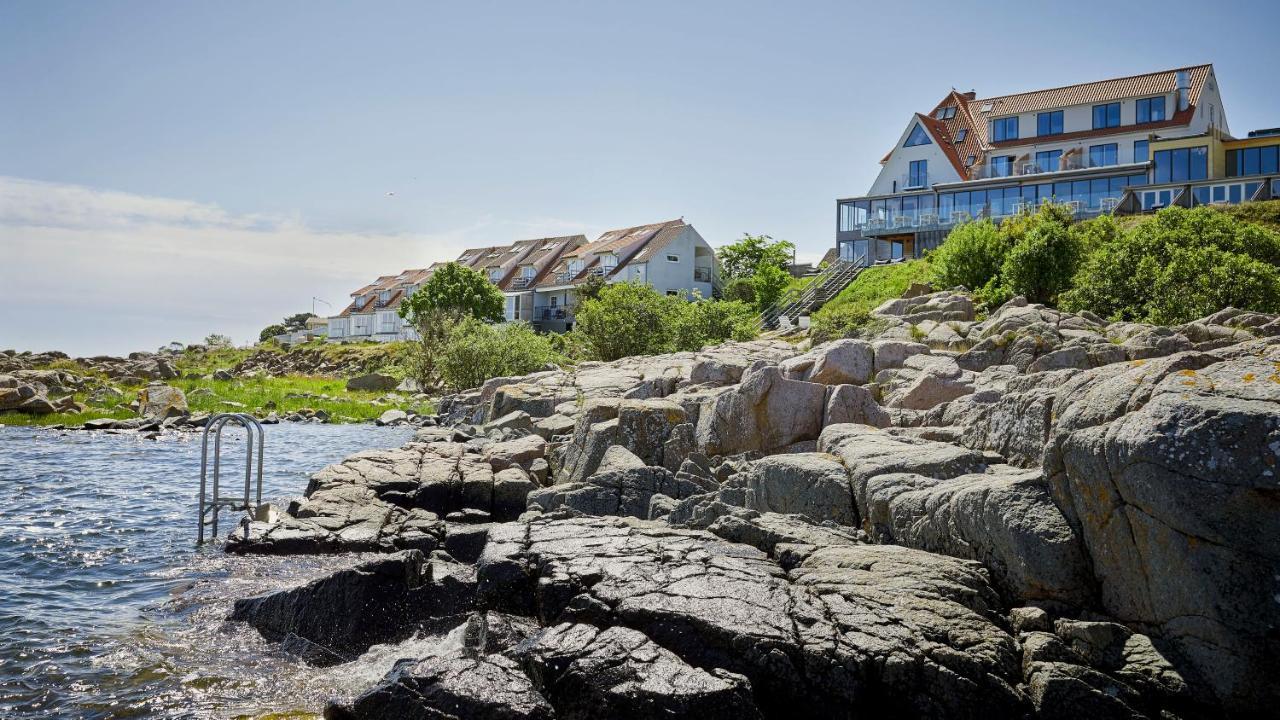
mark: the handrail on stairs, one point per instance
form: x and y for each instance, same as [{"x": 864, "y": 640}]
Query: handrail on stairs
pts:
[{"x": 839, "y": 273}]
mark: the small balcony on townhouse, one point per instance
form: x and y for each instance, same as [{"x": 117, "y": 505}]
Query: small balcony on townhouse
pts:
[
  {"x": 918, "y": 180},
  {"x": 702, "y": 274},
  {"x": 521, "y": 282}
]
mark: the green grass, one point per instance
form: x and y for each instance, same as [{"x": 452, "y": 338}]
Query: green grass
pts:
[
  {"x": 256, "y": 394},
  {"x": 879, "y": 283}
]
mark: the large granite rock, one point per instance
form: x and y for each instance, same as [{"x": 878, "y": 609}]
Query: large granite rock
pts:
[
  {"x": 765, "y": 412},
  {"x": 852, "y": 629},
  {"x": 840, "y": 362},
  {"x": 161, "y": 401},
  {"x": 809, "y": 484},
  {"x": 336, "y": 618}
]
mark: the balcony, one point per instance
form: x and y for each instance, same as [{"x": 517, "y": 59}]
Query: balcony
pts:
[
  {"x": 913, "y": 181},
  {"x": 1023, "y": 166},
  {"x": 548, "y": 313},
  {"x": 521, "y": 282},
  {"x": 702, "y": 274}
]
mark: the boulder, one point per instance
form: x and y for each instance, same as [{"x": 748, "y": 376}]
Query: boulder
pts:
[
  {"x": 765, "y": 412},
  {"x": 157, "y": 400},
  {"x": 587, "y": 672},
  {"x": 392, "y": 417},
  {"x": 336, "y": 618},
  {"x": 838, "y": 362},
  {"x": 853, "y": 404},
  {"x": 374, "y": 382},
  {"x": 811, "y": 484},
  {"x": 456, "y": 685}
]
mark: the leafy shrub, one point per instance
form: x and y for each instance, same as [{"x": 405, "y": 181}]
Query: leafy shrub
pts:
[
  {"x": 740, "y": 290},
  {"x": 271, "y": 331},
  {"x": 1041, "y": 264},
  {"x": 972, "y": 255},
  {"x": 706, "y": 322},
  {"x": 769, "y": 282},
  {"x": 454, "y": 291},
  {"x": 475, "y": 352},
  {"x": 626, "y": 319},
  {"x": 746, "y": 257},
  {"x": 1178, "y": 266}
]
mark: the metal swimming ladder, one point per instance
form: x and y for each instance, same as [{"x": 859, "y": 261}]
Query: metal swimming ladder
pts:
[{"x": 209, "y": 506}]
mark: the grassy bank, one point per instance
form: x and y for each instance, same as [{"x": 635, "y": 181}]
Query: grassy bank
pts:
[
  {"x": 260, "y": 395},
  {"x": 880, "y": 283}
]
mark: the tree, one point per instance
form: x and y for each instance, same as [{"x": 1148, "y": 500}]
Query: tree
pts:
[
  {"x": 748, "y": 255},
  {"x": 768, "y": 284},
  {"x": 297, "y": 322},
  {"x": 271, "y": 331},
  {"x": 218, "y": 340},
  {"x": 454, "y": 291},
  {"x": 590, "y": 287}
]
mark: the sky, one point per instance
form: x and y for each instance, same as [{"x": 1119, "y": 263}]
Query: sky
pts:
[{"x": 170, "y": 170}]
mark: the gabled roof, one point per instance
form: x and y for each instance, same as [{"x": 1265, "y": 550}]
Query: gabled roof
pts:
[
  {"x": 627, "y": 243},
  {"x": 1092, "y": 93},
  {"x": 971, "y": 116},
  {"x": 542, "y": 256}
]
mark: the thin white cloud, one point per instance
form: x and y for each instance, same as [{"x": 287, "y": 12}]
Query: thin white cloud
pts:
[{"x": 93, "y": 271}]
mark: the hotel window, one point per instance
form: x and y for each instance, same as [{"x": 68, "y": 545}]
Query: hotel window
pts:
[
  {"x": 917, "y": 137},
  {"x": 1004, "y": 129},
  {"x": 969, "y": 161},
  {"x": 1002, "y": 166},
  {"x": 1106, "y": 116},
  {"x": 1141, "y": 151},
  {"x": 1151, "y": 110},
  {"x": 1253, "y": 161},
  {"x": 1049, "y": 123},
  {"x": 1102, "y": 155},
  {"x": 918, "y": 175},
  {"x": 1181, "y": 165},
  {"x": 961, "y": 134},
  {"x": 1048, "y": 160}
]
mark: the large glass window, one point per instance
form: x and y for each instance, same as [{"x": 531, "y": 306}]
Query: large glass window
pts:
[
  {"x": 1182, "y": 164},
  {"x": 1253, "y": 161},
  {"x": 1103, "y": 155},
  {"x": 1002, "y": 166},
  {"x": 1106, "y": 116},
  {"x": 918, "y": 175},
  {"x": 1049, "y": 123},
  {"x": 1151, "y": 110},
  {"x": 917, "y": 137},
  {"x": 853, "y": 215},
  {"x": 1141, "y": 150},
  {"x": 1004, "y": 129},
  {"x": 1048, "y": 160}
]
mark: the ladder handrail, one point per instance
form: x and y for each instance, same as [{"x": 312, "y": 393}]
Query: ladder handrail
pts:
[{"x": 250, "y": 500}]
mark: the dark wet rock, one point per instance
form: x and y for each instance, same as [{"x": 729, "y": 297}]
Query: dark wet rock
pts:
[
  {"x": 587, "y": 672},
  {"x": 813, "y": 643},
  {"x": 455, "y": 686},
  {"x": 336, "y": 618},
  {"x": 623, "y": 492},
  {"x": 373, "y": 382}
]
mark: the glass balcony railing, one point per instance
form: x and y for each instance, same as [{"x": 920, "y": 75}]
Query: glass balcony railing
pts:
[{"x": 702, "y": 274}]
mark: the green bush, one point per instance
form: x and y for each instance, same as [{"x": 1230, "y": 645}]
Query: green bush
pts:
[
  {"x": 1041, "y": 264},
  {"x": 628, "y": 319},
  {"x": 972, "y": 255},
  {"x": 706, "y": 322},
  {"x": 769, "y": 282},
  {"x": 475, "y": 352},
  {"x": 1178, "y": 266},
  {"x": 741, "y": 290}
]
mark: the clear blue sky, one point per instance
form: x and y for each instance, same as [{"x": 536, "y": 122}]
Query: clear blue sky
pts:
[{"x": 281, "y": 127}]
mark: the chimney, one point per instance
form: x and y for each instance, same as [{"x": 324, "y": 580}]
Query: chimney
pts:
[
  {"x": 1183, "y": 84},
  {"x": 971, "y": 95}
]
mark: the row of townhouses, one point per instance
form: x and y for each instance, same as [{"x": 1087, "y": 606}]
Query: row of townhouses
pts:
[
  {"x": 1122, "y": 146},
  {"x": 539, "y": 277}
]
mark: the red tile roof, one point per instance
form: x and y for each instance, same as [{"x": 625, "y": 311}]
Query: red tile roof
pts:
[{"x": 1100, "y": 91}]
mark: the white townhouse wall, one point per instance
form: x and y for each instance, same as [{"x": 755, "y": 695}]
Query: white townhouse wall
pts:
[
  {"x": 896, "y": 168},
  {"x": 671, "y": 269},
  {"x": 338, "y": 327},
  {"x": 361, "y": 325}
]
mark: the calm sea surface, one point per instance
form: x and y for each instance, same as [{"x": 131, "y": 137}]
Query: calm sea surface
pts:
[{"x": 106, "y": 607}]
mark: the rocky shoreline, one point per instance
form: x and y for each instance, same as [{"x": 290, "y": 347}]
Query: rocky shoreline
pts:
[{"x": 1036, "y": 515}]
